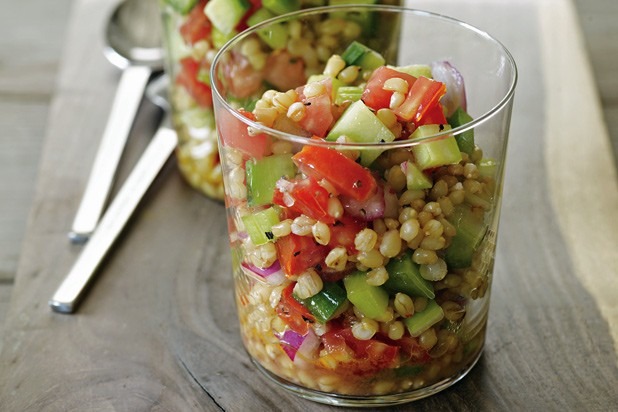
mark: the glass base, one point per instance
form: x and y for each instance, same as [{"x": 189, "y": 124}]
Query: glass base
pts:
[{"x": 366, "y": 401}]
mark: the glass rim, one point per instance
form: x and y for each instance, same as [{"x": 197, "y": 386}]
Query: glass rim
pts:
[{"x": 258, "y": 128}]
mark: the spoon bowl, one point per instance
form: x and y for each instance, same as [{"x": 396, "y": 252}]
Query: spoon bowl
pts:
[{"x": 133, "y": 43}]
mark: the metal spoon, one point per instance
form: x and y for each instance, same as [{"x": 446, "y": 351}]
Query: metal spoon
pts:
[
  {"x": 159, "y": 149},
  {"x": 133, "y": 38}
]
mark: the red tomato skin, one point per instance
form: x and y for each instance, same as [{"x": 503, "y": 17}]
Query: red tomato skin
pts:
[
  {"x": 370, "y": 356},
  {"x": 318, "y": 115},
  {"x": 343, "y": 232},
  {"x": 310, "y": 199},
  {"x": 293, "y": 313},
  {"x": 187, "y": 78},
  {"x": 434, "y": 115},
  {"x": 374, "y": 95},
  {"x": 348, "y": 177},
  {"x": 233, "y": 133},
  {"x": 197, "y": 26},
  {"x": 285, "y": 71},
  {"x": 423, "y": 96},
  {"x": 298, "y": 253}
]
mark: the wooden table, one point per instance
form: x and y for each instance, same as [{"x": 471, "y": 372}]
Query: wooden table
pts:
[{"x": 158, "y": 329}]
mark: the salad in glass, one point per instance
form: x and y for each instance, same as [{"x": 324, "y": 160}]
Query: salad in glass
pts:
[{"x": 362, "y": 212}]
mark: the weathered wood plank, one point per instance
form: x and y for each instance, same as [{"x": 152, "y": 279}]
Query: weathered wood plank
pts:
[{"x": 159, "y": 330}]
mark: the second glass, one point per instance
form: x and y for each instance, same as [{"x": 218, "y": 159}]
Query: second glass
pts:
[{"x": 194, "y": 31}]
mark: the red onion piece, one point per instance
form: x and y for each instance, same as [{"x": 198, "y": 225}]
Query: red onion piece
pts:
[
  {"x": 290, "y": 342},
  {"x": 308, "y": 350},
  {"x": 368, "y": 210},
  {"x": 272, "y": 275},
  {"x": 455, "y": 96}
]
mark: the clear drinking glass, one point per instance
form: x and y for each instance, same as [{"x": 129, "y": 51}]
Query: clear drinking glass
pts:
[
  {"x": 194, "y": 30},
  {"x": 363, "y": 261}
]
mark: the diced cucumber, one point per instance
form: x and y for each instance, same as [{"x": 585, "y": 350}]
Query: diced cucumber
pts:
[
  {"x": 404, "y": 276},
  {"x": 348, "y": 93},
  {"x": 276, "y": 35},
  {"x": 465, "y": 140},
  {"x": 226, "y": 14},
  {"x": 281, "y": 6},
  {"x": 360, "y": 125},
  {"x": 360, "y": 55},
  {"x": 182, "y": 6},
  {"x": 415, "y": 178},
  {"x": 408, "y": 370},
  {"x": 262, "y": 175},
  {"x": 487, "y": 167},
  {"x": 471, "y": 229},
  {"x": 416, "y": 70},
  {"x": 435, "y": 153},
  {"x": 371, "y": 301},
  {"x": 421, "y": 321},
  {"x": 328, "y": 303},
  {"x": 219, "y": 38},
  {"x": 259, "y": 225}
]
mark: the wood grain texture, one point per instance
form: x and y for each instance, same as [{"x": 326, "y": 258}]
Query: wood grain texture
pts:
[{"x": 158, "y": 330}]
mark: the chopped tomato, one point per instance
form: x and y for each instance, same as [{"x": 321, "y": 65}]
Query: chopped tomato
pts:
[
  {"x": 374, "y": 95},
  {"x": 233, "y": 133},
  {"x": 435, "y": 115},
  {"x": 298, "y": 253},
  {"x": 423, "y": 96},
  {"x": 348, "y": 177},
  {"x": 343, "y": 232},
  {"x": 241, "y": 78},
  {"x": 318, "y": 117},
  {"x": 293, "y": 313},
  {"x": 187, "y": 78},
  {"x": 411, "y": 350},
  {"x": 357, "y": 356},
  {"x": 197, "y": 26},
  {"x": 308, "y": 197},
  {"x": 285, "y": 71}
]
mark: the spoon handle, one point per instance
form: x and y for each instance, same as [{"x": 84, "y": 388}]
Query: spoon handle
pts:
[
  {"x": 115, "y": 218},
  {"x": 124, "y": 108}
]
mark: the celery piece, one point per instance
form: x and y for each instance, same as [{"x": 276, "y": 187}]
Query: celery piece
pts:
[
  {"x": 226, "y": 14},
  {"x": 262, "y": 176},
  {"x": 326, "y": 304},
  {"x": 471, "y": 229},
  {"x": 281, "y": 6},
  {"x": 421, "y": 321},
  {"x": 354, "y": 52},
  {"x": 259, "y": 225},
  {"x": 404, "y": 276},
  {"x": 465, "y": 140},
  {"x": 360, "y": 55},
  {"x": 348, "y": 93},
  {"x": 371, "y": 301},
  {"x": 416, "y": 179},
  {"x": 443, "y": 151},
  {"x": 361, "y": 125}
]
